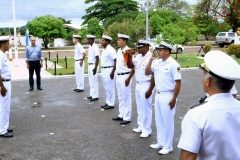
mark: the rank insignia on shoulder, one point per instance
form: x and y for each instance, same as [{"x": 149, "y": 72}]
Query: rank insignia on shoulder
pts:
[
  {"x": 178, "y": 69},
  {"x": 197, "y": 105}
]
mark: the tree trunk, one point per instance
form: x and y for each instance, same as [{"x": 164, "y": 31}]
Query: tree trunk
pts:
[
  {"x": 206, "y": 37},
  {"x": 45, "y": 42}
]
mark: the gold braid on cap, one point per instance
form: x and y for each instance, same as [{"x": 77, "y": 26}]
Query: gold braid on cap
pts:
[{"x": 203, "y": 65}]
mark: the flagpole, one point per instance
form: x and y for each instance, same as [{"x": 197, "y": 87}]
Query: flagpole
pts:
[{"x": 15, "y": 32}]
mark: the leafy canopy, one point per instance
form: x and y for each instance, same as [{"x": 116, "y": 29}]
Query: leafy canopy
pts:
[
  {"x": 47, "y": 27},
  {"x": 134, "y": 28},
  {"x": 221, "y": 10},
  {"x": 103, "y": 9}
]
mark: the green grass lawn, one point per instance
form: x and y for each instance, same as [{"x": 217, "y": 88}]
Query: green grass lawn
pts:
[
  {"x": 70, "y": 67},
  {"x": 185, "y": 60}
]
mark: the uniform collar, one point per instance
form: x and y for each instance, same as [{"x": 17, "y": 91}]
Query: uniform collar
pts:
[
  {"x": 219, "y": 96},
  {"x": 126, "y": 47},
  {"x": 108, "y": 46},
  {"x": 167, "y": 61}
]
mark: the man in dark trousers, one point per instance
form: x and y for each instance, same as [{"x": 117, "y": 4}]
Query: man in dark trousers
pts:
[{"x": 33, "y": 57}]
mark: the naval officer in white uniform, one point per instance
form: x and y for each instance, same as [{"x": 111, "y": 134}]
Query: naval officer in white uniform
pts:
[
  {"x": 211, "y": 130},
  {"x": 5, "y": 84},
  {"x": 93, "y": 60},
  {"x": 79, "y": 65},
  {"x": 167, "y": 77},
  {"x": 108, "y": 65},
  {"x": 143, "y": 98},
  {"x": 123, "y": 82}
]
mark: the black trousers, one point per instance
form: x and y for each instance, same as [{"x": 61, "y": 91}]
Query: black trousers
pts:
[{"x": 34, "y": 66}]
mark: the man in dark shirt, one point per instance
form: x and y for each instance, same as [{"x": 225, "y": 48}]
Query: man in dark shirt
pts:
[{"x": 33, "y": 57}]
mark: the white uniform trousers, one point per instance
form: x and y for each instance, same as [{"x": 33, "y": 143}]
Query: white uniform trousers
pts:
[
  {"x": 109, "y": 85},
  {"x": 164, "y": 118},
  {"x": 5, "y": 108},
  {"x": 144, "y": 108},
  {"x": 124, "y": 97},
  {"x": 93, "y": 81},
  {"x": 79, "y": 73}
]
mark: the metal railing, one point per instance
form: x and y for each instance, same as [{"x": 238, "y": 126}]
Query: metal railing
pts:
[{"x": 55, "y": 61}]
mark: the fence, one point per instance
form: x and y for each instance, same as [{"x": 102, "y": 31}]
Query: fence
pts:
[{"x": 55, "y": 61}]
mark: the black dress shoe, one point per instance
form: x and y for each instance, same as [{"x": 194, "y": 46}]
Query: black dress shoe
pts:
[
  {"x": 117, "y": 119},
  {"x": 124, "y": 122},
  {"x": 75, "y": 89},
  {"x": 31, "y": 88},
  {"x": 6, "y": 135},
  {"x": 93, "y": 99},
  {"x": 108, "y": 107},
  {"x": 105, "y": 105},
  {"x": 9, "y": 130},
  {"x": 39, "y": 88},
  {"x": 79, "y": 90},
  {"x": 89, "y": 97}
]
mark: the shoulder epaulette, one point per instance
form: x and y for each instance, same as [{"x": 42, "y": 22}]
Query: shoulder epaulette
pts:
[{"x": 197, "y": 105}]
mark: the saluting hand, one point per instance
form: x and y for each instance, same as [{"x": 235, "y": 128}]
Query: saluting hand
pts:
[
  {"x": 3, "y": 91},
  {"x": 172, "y": 103},
  {"x": 154, "y": 54}
]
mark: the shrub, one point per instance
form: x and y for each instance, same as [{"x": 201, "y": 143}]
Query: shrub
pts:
[
  {"x": 193, "y": 43},
  {"x": 207, "y": 47},
  {"x": 234, "y": 49}
]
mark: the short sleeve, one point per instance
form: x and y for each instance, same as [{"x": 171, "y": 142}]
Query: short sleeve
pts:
[
  {"x": 81, "y": 49},
  {"x": 96, "y": 51},
  {"x": 191, "y": 137},
  {"x": 1, "y": 61},
  {"x": 152, "y": 66},
  {"x": 112, "y": 54},
  {"x": 176, "y": 71}
]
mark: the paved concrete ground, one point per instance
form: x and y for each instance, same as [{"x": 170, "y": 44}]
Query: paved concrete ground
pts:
[{"x": 57, "y": 123}]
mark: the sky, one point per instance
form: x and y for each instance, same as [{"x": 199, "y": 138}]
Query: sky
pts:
[{"x": 26, "y": 10}]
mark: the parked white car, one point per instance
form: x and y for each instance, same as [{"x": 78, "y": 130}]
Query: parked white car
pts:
[{"x": 225, "y": 38}]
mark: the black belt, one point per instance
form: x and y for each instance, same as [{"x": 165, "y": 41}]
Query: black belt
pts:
[
  {"x": 78, "y": 60},
  {"x": 5, "y": 80},
  {"x": 123, "y": 73},
  {"x": 108, "y": 67},
  {"x": 91, "y": 63}
]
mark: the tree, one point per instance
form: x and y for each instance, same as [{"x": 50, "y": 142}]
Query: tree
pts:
[
  {"x": 119, "y": 18},
  {"x": 47, "y": 27},
  {"x": 69, "y": 31},
  {"x": 178, "y": 6},
  {"x": 94, "y": 28},
  {"x": 182, "y": 34},
  {"x": 134, "y": 28},
  {"x": 221, "y": 10},
  {"x": 104, "y": 9},
  {"x": 159, "y": 18}
]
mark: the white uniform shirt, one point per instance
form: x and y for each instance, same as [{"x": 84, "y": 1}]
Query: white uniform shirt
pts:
[
  {"x": 108, "y": 56},
  {"x": 165, "y": 74},
  {"x": 120, "y": 68},
  {"x": 79, "y": 50},
  {"x": 4, "y": 66},
  {"x": 93, "y": 51},
  {"x": 232, "y": 91},
  {"x": 140, "y": 64},
  {"x": 213, "y": 129}
]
